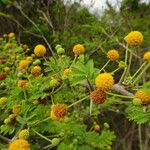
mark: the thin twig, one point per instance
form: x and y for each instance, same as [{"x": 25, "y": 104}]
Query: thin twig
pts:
[{"x": 5, "y": 138}]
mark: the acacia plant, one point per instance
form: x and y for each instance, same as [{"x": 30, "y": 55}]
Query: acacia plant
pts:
[{"x": 59, "y": 102}]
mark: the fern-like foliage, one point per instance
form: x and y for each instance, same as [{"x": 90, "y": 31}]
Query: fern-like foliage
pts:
[{"x": 138, "y": 114}]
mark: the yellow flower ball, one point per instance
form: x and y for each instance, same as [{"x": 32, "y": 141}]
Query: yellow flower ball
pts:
[
  {"x": 144, "y": 97},
  {"x": 58, "y": 112},
  {"x": 113, "y": 55},
  {"x": 104, "y": 81},
  {"x": 16, "y": 109},
  {"x": 11, "y": 35},
  {"x": 24, "y": 134},
  {"x": 40, "y": 50},
  {"x": 36, "y": 71},
  {"x": 29, "y": 58},
  {"x": 146, "y": 56},
  {"x": 134, "y": 38},
  {"x": 23, "y": 84},
  {"x": 67, "y": 72},
  {"x": 19, "y": 145},
  {"x": 78, "y": 49},
  {"x": 23, "y": 64}
]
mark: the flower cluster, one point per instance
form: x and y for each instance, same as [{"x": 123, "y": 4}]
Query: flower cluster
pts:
[
  {"x": 144, "y": 97},
  {"x": 113, "y": 55},
  {"x": 40, "y": 50},
  {"x": 58, "y": 112},
  {"x": 78, "y": 49},
  {"x": 19, "y": 145},
  {"x": 104, "y": 81},
  {"x": 98, "y": 96},
  {"x": 23, "y": 84},
  {"x": 36, "y": 71},
  {"x": 134, "y": 38},
  {"x": 24, "y": 134}
]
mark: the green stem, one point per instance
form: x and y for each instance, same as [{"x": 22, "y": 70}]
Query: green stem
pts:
[
  {"x": 115, "y": 70},
  {"x": 52, "y": 96},
  {"x": 42, "y": 136},
  {"x": 125, "y": 69},
  {"x": 45, "y": 59},
  {"x": 36, "y": 123},
  {"x": 117, "y": 95},
  {"x": 76, "y": 56},
  {"x": 138, "y": 70},
  {"x": 130, "y": 61},
  {"x": 25, "y": 95},
  {"x": 140, "y": 75},
  {"x": 104, "y": 65},
  {"x": 75, "y": 103}
]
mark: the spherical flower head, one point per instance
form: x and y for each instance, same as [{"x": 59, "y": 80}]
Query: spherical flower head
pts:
[
  {"x": 24, "y": 46},
  {"x": 24, "y": 134},
  {"x": 29, "y": 58},
  {"x": 8, "y": 46},
  {"x": 40, "y": 50},
  {"x": 98, "y": 96},
  {"x": 36, "y": 71},
  {"x": 2, "y": 60},
  {"x": 3, "y": 75},
  {"x": 5, "y": 35},
  {"x": 97, "y": 127},
  {"x": 23, "y": 64},
  {"x": 16, "y": 109},
  {"x": 67, "y": 72},
  {"x": 104, "y": 81},
  {"x": 144, "y": 97},
  {"x": 146, "y": 56},
  {"x": 11, "y": 35},
  {"x": 78, "y": 49},
  {"x": 54, "y": 83},
  {"x": 3, "y": 100},
  {"x": 19, "y": 145},
  {"x": 23, "y": 84},
  {"x": 113, "y": 55},
  {"x": 58, "y": 112},
  {"x": 134, "y": 38}
]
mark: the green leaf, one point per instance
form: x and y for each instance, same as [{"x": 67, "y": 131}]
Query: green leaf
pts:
[{"x": 137, "y": 114}]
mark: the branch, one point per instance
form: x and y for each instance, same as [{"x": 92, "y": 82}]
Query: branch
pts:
[
  {"x": 116, "y": 87},
  {"x": 16, "y": 135},
  {"x": 5, "y": 138},
  {"x": 121, "y": 89}
]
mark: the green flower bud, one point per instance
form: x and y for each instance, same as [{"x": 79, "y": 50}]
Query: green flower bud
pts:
[
  {"x": 122, "y": 64},
  {"x": 55, "y": 141},
  {"x": 53, "y": 83},
  {"x": 60, "y": 51},
  {"x": 12, "y": 116},
  {"x": 7, "y": 121},
  {"x": 57, "y": 46},
  {"x": 20, "y": 74},
  {"x": 137, "y": 101},
  {"x": 7, "y": 69},
  {"x": 106, "y": 125},
  {"x": 3, "y": 100},
  {"x": 36, "y": 62}
]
